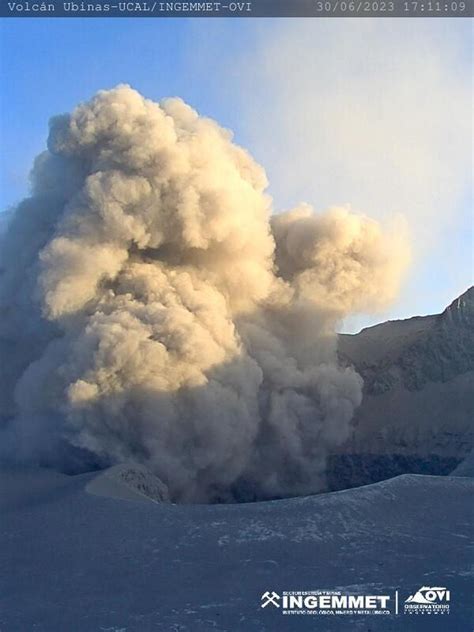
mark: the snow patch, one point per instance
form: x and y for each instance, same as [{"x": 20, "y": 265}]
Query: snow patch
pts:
[{"x": 129, "y": 482}]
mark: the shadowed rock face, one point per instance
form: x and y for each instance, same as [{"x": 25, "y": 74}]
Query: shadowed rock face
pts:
[
  {"x": 418, "y": 404},
  {"x": 352, "y": 470}
]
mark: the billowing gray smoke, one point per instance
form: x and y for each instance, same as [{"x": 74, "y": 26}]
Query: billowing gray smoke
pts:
[{"x": 153, "y": 310}]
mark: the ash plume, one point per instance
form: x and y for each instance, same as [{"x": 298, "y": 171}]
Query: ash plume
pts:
[{"x": 154, "y": 310}]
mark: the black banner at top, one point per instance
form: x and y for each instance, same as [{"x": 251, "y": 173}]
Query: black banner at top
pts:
[{"x": 240, "y": 9}]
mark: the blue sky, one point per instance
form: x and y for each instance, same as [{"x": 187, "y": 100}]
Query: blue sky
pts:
[{"x": 371, "y": 113}]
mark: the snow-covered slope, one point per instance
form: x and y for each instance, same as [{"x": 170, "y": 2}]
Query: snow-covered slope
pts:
[
  {"x": 72, "y": 561},
  {"x": 418, "y": 408}
]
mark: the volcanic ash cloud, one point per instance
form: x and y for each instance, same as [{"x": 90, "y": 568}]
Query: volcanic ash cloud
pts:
[{"x": 154, "y": 310}]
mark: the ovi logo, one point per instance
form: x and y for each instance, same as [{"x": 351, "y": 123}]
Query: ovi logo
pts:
[
  {"x": 428, "y": 600},
  {"x": 430, "y": 595},
  {"x": 272, "y": 598}
]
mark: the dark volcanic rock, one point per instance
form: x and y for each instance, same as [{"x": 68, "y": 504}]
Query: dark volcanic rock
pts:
[{"x": 418, "y": 407}]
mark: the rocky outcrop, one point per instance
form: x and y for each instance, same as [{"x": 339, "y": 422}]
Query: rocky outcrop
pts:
[
  {"x": 128, "y": 481},
  {"x": 414, "y": 352}
]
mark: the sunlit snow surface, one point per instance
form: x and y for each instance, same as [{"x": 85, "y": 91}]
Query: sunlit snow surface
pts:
[{"x": 75, "y": 561}]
